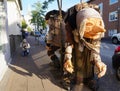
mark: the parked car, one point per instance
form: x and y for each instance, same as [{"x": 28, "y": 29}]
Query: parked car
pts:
[
  {"x": 115, "y": 38},
  {"x": 116, "y": 62}
]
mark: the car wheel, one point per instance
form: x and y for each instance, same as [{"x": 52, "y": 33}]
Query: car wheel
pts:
[
  {"x": 115, "y": 40},
  {"x": 118, "y": 73}
]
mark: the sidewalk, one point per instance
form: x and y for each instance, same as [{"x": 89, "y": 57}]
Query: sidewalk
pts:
[{"x": 31, "y": 73}]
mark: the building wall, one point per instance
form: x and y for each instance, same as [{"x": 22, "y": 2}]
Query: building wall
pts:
[
  {"x": 9, "y": 18},
  {"x": 110, "y": 26},
  {"x": 14, "y": 17},
  {"x": 14, "y": 22},
  {"x": 4, "y": 42}
]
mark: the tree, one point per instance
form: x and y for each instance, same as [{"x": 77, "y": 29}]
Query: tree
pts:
[
  {"x": 38, "y": 14},
  {"x": 24, "y": 25},
  {"x": 29, "y": 29}
]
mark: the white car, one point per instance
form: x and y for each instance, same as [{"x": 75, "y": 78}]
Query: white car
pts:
[{"x": 115, "y": 38}]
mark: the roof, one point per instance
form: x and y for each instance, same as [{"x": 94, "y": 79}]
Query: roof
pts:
[{"x": 20, "y": 2}]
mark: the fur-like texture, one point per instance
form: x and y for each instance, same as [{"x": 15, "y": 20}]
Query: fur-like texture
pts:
[
  {"x": 71, "y": 13},
  {"x": 56, "y": 35},
  {"x": 71, "y": 17},
  {"x": 56, "y": 31},
  {"x": 53, "y": 13}
]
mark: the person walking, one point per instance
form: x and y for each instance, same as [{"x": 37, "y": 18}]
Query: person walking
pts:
[{"x": 25, "y": 47}]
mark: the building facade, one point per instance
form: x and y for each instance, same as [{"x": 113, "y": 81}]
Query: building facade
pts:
[
  {"x": 14, "y": 16},
  {"x": 7, "y": 27},
  {"x": 110, "y": 11},
  {"x": 14, "y": 8},
  {"x": 5, "y": 57}
]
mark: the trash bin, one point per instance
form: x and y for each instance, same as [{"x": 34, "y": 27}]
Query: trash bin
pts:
[{"x": 15, "y": 41}]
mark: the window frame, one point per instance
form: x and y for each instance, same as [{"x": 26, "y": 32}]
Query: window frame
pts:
[
  {"x": 101, "y": 8},
  {"x": 112, "y": 31},
  {"x": 111, "y": 14},
  {"x": 112, "y": 1}
]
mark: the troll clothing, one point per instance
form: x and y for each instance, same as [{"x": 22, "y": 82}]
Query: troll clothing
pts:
[
  {"x": 85, "y": 29},
  {"x": 55, "y": 36}
]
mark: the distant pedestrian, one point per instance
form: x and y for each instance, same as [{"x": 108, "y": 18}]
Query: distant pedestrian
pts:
[
  {"x": 25, "y": 47},
  {"x": 24, "y": 33}
]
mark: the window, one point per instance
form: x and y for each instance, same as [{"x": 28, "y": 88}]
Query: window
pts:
[
  {"x": 113, "y": 16},
  {"x": 101, "y": 8},
  {"x": 113, "y": 1},
  {"x": 112, "y": 31}
]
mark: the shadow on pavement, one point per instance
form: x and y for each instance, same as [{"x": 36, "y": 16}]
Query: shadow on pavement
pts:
[{"x": 37, "y": 63}]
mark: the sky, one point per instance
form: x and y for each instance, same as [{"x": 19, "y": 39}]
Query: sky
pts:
[{"x": 27, "y": 5}]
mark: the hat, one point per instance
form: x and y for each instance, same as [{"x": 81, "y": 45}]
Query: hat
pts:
[{"x": 24, "y": 40}]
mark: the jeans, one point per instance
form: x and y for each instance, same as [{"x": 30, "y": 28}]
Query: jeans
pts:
[{"x": 25, "y": 52}]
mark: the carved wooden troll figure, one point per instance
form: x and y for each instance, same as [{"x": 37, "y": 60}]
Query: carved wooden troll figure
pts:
[
  {"x": 85, "y": 28},
  {"x": 55, "y": 36}
]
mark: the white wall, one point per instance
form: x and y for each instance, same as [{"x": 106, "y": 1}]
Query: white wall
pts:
[
  {"x": 5, "y": 57},
  {"x": 14, "y": 18}
]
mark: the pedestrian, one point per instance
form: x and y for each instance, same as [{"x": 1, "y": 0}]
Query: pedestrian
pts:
[
  {"x": 84, "y": 30},
  {"x": 25, "y": 47},
  {"x": 24, "y": 33}
]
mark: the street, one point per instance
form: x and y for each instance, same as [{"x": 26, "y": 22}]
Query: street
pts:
[
  {"x": 109, "y": 81},
  {"x": 34, "y": 72}
]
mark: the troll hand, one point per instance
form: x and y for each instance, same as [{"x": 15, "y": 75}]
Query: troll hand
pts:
[
  {"x": 68, "y": 66},
  {"x": 101, "y": 69}
]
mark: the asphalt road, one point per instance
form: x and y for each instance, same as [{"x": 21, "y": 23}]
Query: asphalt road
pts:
[{"x": 109, "y": 82}]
